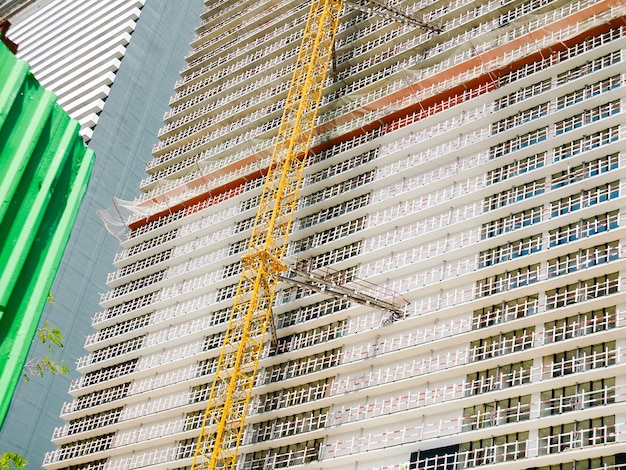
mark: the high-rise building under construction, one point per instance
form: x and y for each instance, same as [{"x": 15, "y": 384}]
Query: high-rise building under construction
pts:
[{"x": 469, "y": 177}]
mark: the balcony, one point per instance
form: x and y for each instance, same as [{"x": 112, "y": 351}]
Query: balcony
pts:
[{"x": 562, "y": 442}]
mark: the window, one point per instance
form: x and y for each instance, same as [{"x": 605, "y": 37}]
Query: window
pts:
[
  {"x": 232, "y": 269},
  {"x": 225, "y": 293},
  {"x": 582, "y": 291},
  {"x": 186, "y": 448},
  {"x": 511, "y": 222},
  {"x": 310, "y": 337},
  {"x": 95, "y": 465},
  {"x": 309, "y": 312},
  {"x": 332, "y": 212},
  {"x": 337, "y": 189},
  {"x": 518, "y": 142},
  {"x": 200, "y": 393},
  {"x": 585, "y": 198},
  {"x": 589, "y": 432},
  {"x": 584, "y": 228},
  {"x": 505, "y": 311},
  {"x": 585, "y": 170},
  {"x": 520, "y": 118},
  {"x": 585, "y": 143},
  {"x": 583, "y": 259},
  {"x": 589, "y": 67},
  {"x": 302, "y": 366},
  {"x": 502, "y": 344},
  {"x": 508, "y": 375},
  {"x": 293, "y": 396},
  {"x": 326, "y": 236},
  {"x": 518, "y": 167},
  {"x": 508, "y": 280},
  {"x": 580, "y": 324},
  {"x": 109, "y": 373},
  {"x": 121, "y": 328},
  {"x": 99, "y": 397},
  {"x": 511, "y": 250},
  {"x": 86, "y": 446},
  {"x": 515, "y": 194},
  {"x": 586, "y": 117},
  {"x": 523, "y": 94},
  {"x": 95, "y": 421},
  {"x": 238, "y": 247},
  {"x": 578, "y": 396},
  {"x": 244, "y": 224},
  {"x": 341, "y": 167},
  {"x": 289, "y": 425},
  {"x": 508, "y": 410},
  {"x": 285, "y": 456},
  {"x": 608, "y": 462},
  {"x": 494, "y": 449},
  {"x": 580, "y": 359},
  {"x": 193, "y": 420},
  {"x": 587, "y": 91}
]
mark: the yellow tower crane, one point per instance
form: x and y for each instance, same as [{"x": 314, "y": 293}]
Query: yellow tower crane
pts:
[
  {"x": 263, "y": 264},
  {"x": 252, "y": 310}
]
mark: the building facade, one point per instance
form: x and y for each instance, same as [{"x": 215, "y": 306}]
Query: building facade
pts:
[
  {"x": 74, "y": 48},
  {"x": 473, "y": 177}
]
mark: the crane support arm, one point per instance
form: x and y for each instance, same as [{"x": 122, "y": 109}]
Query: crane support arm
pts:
[
  {"x": 363, "y": 296},
  {"x": 384, "y": 10}
]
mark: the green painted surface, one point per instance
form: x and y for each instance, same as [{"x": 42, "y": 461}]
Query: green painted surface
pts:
[{"x": 44, "y": 171}]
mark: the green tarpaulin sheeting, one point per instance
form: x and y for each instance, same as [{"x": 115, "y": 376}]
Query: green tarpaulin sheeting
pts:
[{"x": 44, "y": 171}]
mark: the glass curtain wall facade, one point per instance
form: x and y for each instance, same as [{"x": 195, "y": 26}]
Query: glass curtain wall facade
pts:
[{"x": 475, "y": 174}]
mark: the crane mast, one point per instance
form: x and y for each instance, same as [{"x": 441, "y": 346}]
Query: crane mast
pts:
[
  {"x": 251, "y": 315},
  {"x": 263, "y": 265}
]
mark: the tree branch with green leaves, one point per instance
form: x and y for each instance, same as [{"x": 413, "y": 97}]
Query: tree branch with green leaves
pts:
[
  {"x": 9, "y": 460},
  {"x": 38, "y": 366}
]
